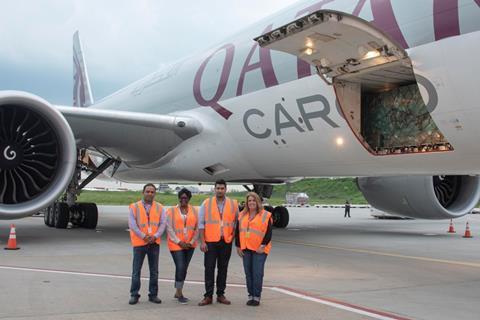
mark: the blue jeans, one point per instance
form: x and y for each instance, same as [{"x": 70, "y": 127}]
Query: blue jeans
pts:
[
  {"x": 181, "y": 258},
  {"x": 151, "y": 251},
  {"x": 254, "y": 265}
]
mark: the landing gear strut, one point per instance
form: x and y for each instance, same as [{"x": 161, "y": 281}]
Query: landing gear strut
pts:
[
  {"x": 84, "y": 215},
  {"x": 280, "y": 214}
]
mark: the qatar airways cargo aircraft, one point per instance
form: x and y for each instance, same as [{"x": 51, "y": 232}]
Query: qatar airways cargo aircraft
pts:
[{"x": 383, "y": 90}]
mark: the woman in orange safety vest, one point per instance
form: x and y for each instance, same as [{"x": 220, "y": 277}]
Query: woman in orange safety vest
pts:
[
  {"x": 253, "y": 240},
  {"x": 182, "y": 235}
]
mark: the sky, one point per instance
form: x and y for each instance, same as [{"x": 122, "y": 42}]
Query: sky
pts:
[{"x": 123, "y": 40}]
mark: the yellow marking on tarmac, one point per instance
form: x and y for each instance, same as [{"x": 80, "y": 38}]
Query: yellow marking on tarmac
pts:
[{"x": 380, "y": 253}]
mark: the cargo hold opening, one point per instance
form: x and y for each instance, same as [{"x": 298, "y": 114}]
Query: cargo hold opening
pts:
[
  {"x": 386, "y": 111},
  {"x": 372, "y": 76}
]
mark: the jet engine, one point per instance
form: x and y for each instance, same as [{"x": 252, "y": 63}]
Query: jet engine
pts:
[
  {"x": 37, "y": 154},
  {"x": 424, "y": 197}
]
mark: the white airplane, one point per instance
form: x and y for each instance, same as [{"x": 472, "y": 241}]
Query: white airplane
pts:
[{"x": 382, "y": 90}]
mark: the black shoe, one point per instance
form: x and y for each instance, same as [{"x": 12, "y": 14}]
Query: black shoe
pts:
[
  {"x": 133, "y": 300},
  {"x": 249, "y": 302},
  {"x": 255, "y": 303},
  {"x": 183, "y": 300},
  {"x": 154, "y": 300}
]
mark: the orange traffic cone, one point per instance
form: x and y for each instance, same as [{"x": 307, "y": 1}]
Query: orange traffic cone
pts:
[
  {"x": 12, "y": 239},
  {"x": 451, "y": 229},
  {"x": 467, "y": 232}
]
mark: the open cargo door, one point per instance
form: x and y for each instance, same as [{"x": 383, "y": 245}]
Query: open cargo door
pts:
[{"x": 372, "y": 76}]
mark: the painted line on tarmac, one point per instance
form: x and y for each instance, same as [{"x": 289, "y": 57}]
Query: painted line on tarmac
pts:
[
  {"x": 381, "y": 253},
  {"x": 380, "y": 315},
  {"x": 338, "y": 304}
]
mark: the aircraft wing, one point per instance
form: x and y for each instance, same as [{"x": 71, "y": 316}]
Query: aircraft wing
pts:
[{"x": 135, "y": 138}]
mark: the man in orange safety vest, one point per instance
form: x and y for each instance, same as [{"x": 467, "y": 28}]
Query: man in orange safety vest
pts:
[{"x": 147, "y": 224}]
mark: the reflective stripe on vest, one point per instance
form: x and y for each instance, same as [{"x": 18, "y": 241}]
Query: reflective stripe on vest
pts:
[
  {"x": 179, "y": 231},
  {"x": 216, "y": 227},
  {"x": 138, "y": 218},
  {"x": 253, "y": 232},
  {"x": 149, "y": 224}
]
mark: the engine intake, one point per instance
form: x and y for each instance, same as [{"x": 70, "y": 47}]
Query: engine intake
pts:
[
  {"x": 37, "y": 154},
  {"x": 425, "y": 197}
]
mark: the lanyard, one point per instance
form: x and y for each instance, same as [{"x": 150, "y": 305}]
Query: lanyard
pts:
[
  {"x": 220, "y": 212},
  {"x": 247, "y": 234},
  {"x": 220, "y": 209},
  {"x": 147, "y": 211},
  {"x": 184, "y": 218}
]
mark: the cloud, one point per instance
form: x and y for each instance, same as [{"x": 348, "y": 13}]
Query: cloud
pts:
[{"x": 123, "y": 40}]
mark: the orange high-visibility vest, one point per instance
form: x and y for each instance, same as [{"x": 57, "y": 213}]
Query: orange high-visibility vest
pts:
[
  {"x": 253, "y": 232},
  {"x": 213, "y": 223},
  {"x": 183, "y": 230},
  {"x": 142, "y": 221}
]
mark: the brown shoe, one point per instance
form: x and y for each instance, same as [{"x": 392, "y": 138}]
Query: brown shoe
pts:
[
  {"x": 205, "y": 301},
  {"x": 223, "y": 300}
]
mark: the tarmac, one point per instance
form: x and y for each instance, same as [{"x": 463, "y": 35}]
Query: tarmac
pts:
[{"x": 322, "y": 266}]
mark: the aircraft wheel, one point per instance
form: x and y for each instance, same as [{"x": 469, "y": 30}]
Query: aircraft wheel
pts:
[
  {"x": 76, "y": 215},
  {"x": 90, "y": 215},
  {"x": 61, "y": 215},
  {"x": 46, "y": 216},
  {"x": 51, "y": 216},
  {"x": 281, "y": 217},
  {"x": 268, "y": 208}
]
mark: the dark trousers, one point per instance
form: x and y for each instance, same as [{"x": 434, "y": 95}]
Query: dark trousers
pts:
[
  {"x": 151, "y": 251},
  {"x": 181, "y": 258},
  {"x": 347, "y": 213},
  {"x": 254, "y": 266},
  {"x": 218, "y": 254}
]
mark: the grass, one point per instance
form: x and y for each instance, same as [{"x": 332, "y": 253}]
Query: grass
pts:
[
  {"x": 127, "y": 197},
  {"x": 322, "y": 191}
]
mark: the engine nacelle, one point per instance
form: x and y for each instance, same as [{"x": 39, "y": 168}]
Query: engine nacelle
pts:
[
  {"x": 424, "y": 197},
  {"x": 37, "y": 154}
]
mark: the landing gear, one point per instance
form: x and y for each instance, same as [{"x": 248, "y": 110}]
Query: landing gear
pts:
[
  {"x": 83, "y": 215},
  {"x": 268, "y": 208},
  {"x": 61, "y": 215},
  {"x": 46, "y": 217},
  {"x": 280, "y": 217},
  {"x": 280, "y": 214},
  {"x": 57, "y": 215}
]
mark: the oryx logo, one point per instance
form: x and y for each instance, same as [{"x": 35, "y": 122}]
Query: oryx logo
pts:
[{"x": 9, "y": 154}]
